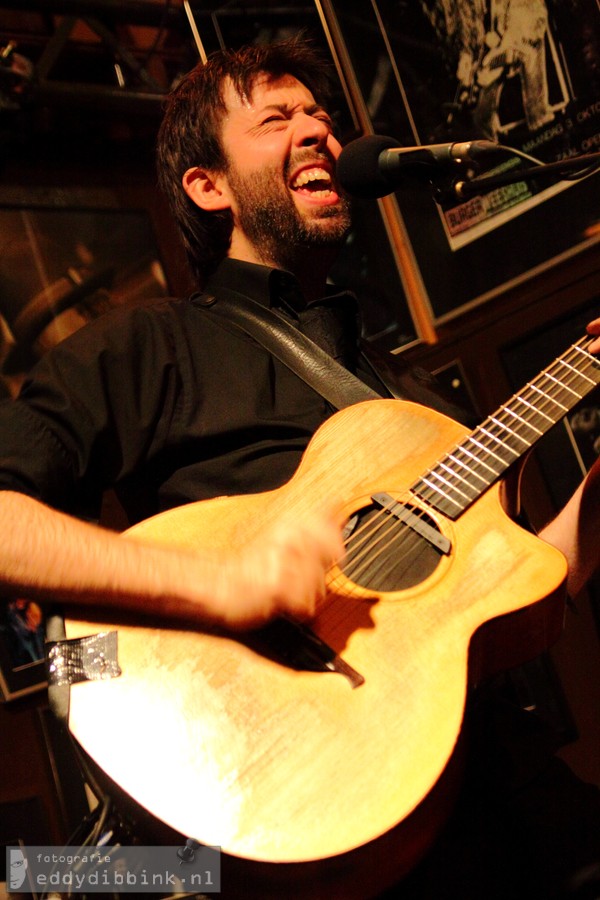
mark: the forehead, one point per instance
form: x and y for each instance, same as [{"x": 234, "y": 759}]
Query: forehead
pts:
[{"x": 267, "y": 90}]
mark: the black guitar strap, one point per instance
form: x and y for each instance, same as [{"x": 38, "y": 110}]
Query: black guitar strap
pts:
[
  {"x": 299, "y": 353},
  {"x": 320, "y": 370}
]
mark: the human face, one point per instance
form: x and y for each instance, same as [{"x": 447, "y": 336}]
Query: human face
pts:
[{"x": 281, "y": 174}]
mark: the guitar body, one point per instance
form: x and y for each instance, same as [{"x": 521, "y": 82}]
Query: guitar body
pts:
[{"x": 302, "y": 779}]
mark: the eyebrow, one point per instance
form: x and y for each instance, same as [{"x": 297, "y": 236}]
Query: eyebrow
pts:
[{"x": 285, "y": 108}]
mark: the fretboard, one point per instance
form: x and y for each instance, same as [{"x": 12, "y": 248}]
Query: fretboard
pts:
[{"x": 467, "y": 471}]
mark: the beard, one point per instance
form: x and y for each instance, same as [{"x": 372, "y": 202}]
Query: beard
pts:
[{"x": 276, "y": 227}]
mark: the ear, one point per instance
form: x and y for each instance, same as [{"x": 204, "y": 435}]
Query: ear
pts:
[{"x": 206, "y": 189}]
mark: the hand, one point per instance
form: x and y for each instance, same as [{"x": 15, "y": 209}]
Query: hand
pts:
[
  {"x": 594, "y": 328},
  {"x": 281, "y": 572}
]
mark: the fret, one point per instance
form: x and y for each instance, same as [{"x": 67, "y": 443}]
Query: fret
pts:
[
  {"x": 488, "y": 451},
  {"x": 589, "y": 358},
  {"x": 561, "y": 384},
  {"x": 481, "y": 462},
  {"x": 499, "y": 441},
  {"x": 455, "y": 474},
  {"x": 577, "y": 372},
  {"x": 473, "y": 465},
  {"x": 536, "y": 423},
  {"x": 546, "y": 396},
  {"x": 514, "y": 433},
  {"x": 464, "y": 465},
  {"x": 440, "y": 500},
  {"x": 449, "y": 485}
]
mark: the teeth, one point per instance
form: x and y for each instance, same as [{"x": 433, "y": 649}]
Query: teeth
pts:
[{"x": 308, "y": 175}]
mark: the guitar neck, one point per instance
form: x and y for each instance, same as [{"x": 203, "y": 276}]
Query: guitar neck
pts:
[{"x": 467, "y": 471}]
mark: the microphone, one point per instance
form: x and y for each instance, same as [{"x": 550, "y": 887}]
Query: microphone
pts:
[{"x": 374, "y": 165}]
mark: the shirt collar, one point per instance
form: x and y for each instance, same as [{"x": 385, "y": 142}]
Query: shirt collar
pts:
[
  {"x": 260, "y": 283},
  {"x": 268, "y": 286}
]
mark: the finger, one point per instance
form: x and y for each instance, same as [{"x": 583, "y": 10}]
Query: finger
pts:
[
  {"x": 594, "y": 326},
  {"x": 594, "y": 329}
]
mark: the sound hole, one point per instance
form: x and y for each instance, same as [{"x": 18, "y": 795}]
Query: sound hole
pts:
[{"x": 384, "y": 554}]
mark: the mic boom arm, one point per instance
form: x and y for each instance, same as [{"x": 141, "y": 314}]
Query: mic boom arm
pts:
[
  {"x": 375, "y": 166},
  {"x": 576, "y": 167}
]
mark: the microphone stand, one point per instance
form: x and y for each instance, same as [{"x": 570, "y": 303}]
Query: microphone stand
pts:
[{"x": 462, "y": 189}]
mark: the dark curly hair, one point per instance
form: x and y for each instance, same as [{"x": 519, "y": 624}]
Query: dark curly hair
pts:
[{"x": 190, "y": 133}]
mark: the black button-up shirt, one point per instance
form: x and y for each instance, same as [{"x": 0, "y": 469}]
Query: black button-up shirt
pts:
[{"x": 169, "y": 403}]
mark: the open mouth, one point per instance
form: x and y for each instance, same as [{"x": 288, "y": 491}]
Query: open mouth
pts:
[{"x": 315, "y": 182}]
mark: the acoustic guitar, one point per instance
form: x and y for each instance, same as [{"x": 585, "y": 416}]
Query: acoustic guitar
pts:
[{"x": 318, "y": 758}]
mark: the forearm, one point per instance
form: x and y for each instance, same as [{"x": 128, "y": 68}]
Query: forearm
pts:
[
  {"x": 47, "y": 555},
  {"x": 576, "y": 531}
]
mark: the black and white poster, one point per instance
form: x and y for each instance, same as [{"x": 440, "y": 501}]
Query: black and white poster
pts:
[{"x": 524, "y": 74}]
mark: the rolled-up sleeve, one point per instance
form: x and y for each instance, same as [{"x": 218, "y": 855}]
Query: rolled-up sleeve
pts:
[{"x": 89, "y": 412}]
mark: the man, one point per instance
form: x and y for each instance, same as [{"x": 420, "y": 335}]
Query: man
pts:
[
  {"x": 83, "y": 433},
  {"x": 170, "y": 403}
]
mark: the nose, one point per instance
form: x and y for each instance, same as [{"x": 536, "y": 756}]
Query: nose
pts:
[{"x": 310, "y": 131}]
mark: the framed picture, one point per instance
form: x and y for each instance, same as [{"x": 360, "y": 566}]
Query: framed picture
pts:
[
  {"x": 22, "y": 665},
  {"x": 521, "y": 74}
]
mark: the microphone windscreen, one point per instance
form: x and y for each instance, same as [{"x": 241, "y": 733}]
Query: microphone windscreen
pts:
[{"x": 358, "y": 170}]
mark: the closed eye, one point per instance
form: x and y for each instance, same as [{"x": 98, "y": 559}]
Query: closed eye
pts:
[{"x": 327, "y": 121}]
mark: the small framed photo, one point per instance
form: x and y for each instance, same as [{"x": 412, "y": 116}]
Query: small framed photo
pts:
[{"x": 22, "y": 655}]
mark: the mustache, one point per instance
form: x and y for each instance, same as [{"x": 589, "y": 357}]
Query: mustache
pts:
[{"x": 308, "y": 156}]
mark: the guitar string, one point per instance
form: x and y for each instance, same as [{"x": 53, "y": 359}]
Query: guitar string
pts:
[
  {"x": 384, "y": 526},
  {"x": 359, "y": 543},
  {"x": 407, "y": 540},
  {"x": 564, "y": 385},
  {"x": 413, "y": 538},
  {"x": 387, "y": 524},
  {"x": 547, "y": 400},
  {"x": 411, "y": 544},
  {"x": 497, "y": 418}
]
